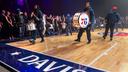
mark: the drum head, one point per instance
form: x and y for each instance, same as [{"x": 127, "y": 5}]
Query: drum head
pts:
[
  {"x": 76, "y": 20},
  {"x": 83, "y": 20}
]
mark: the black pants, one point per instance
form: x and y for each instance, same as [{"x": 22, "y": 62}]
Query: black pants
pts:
[
  {"x": 40, "y": 29},
  {"x": 111, "y": 27},
  {"x": 4, "y": 34},
  {"x": 88, "y": 32},
  {"x": 33, "y": 34}
]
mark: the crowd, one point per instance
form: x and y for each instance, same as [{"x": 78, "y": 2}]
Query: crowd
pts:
[
  {"x": 17, "y": 25},
  {"x": 123, "y": 23}
]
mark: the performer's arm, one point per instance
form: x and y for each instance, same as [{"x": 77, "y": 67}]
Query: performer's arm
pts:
[
  {"x": 9, "y": 21},
  {"x": 92, "y": 17},
  {"x": 118, "y": 17}
]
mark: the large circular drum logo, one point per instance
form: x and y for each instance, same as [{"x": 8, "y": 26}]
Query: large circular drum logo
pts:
[{"x": 83, "y": 20}]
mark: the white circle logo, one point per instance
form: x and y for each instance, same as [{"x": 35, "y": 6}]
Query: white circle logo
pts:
[{"x": 83, "y": 20}]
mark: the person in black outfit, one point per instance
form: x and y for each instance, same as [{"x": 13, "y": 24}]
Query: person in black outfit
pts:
[
  {"x": 1, "y": 23},
  {"x": 32, "y": 32},
  {"x": 20, "y": 23},
  {"x": 10, "y": 25},
  {"x": 15, "y": 27},
  {"x": 0, "y": 28},
  {"x": 39, "y": 21},
  {"x": 56, "y": 26},
  {"x": 111, "y": 19},
  {"x": 69, "y": 25},
  {"x": 5, "y": 26},
  {"x": 90, "y": 11},
  {"x": 25, "y": 23}
]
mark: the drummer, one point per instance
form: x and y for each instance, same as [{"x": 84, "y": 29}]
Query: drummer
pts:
[{"x": 90, "y": 13}]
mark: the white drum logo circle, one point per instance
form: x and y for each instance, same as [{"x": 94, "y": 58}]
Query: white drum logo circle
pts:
[{"x": 83, "y": 20}]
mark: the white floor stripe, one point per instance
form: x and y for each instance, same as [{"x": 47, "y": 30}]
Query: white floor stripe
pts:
[{"x": 102, "y": 54}]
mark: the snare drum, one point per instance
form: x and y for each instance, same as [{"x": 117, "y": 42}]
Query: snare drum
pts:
[{"x": 80, "y": 20}]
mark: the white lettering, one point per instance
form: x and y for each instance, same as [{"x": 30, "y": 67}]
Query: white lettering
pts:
[
  {"x": 50, "y": 66},
  {"x": 33, "y": 59},
  {"x": 27, "y": 59},
  {"x": 39, "y": 63},
  {"x": 78, "y": 70}
]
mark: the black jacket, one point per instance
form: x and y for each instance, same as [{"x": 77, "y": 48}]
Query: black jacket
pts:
[{"x": 112, "y": 17}]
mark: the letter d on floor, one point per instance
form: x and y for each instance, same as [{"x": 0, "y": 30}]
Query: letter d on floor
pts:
[{"x": 28, "y": 59}]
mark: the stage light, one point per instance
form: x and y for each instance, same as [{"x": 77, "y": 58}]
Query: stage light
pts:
[
  {"x": 20, "y": 2},
  {"x": 114, "y": 7}
]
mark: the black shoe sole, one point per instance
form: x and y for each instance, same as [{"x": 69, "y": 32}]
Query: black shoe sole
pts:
[
  {"x": 42, "y": 41},
  {"x": 104, "y": 37},
  {"x": 77, "y": 40},
  {"x": 88, "y": 42}
]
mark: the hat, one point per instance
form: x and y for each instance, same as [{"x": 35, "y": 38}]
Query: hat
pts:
[{"x": 114, "y": 7}]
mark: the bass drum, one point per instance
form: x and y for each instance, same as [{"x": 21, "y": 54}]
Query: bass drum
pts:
[{"x": 80, "y": 20}]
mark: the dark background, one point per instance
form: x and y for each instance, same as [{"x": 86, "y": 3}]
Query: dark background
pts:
[
  {"x": 103, "y": 6},
  {"x": 59, "y": 7}
]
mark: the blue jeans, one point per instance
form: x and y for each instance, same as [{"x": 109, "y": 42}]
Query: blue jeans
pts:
[
  {"x": 69, "y": 29},
  {"x": 33, "y": 34}
]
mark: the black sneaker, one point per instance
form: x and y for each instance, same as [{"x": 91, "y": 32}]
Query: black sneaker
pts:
[
  {"x": 42, "y": 40},
  {"x": 77, "y": 40},
  {"x": 32, "y": 41},
  {"x": 104, "y": 37},
  {"x": 88, "y": 42},
  {"x": 111, "y": 39}
]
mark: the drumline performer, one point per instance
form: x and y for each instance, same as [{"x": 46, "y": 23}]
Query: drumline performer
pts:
[
  {"x": 112, "y": 19},
  {"x": 39, "y": 22},
  {"x": 90, "y": 13}
]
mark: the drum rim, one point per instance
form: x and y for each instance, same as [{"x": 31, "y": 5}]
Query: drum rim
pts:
[
  {"x": 78, "y": 17},
  {"x": 80, "y": 13}
]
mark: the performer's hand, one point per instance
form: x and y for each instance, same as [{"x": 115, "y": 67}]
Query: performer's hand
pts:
[{"x": 11, "y": 24}]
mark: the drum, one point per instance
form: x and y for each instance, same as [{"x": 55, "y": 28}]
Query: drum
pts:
[{"x": 80, "y": 20}]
